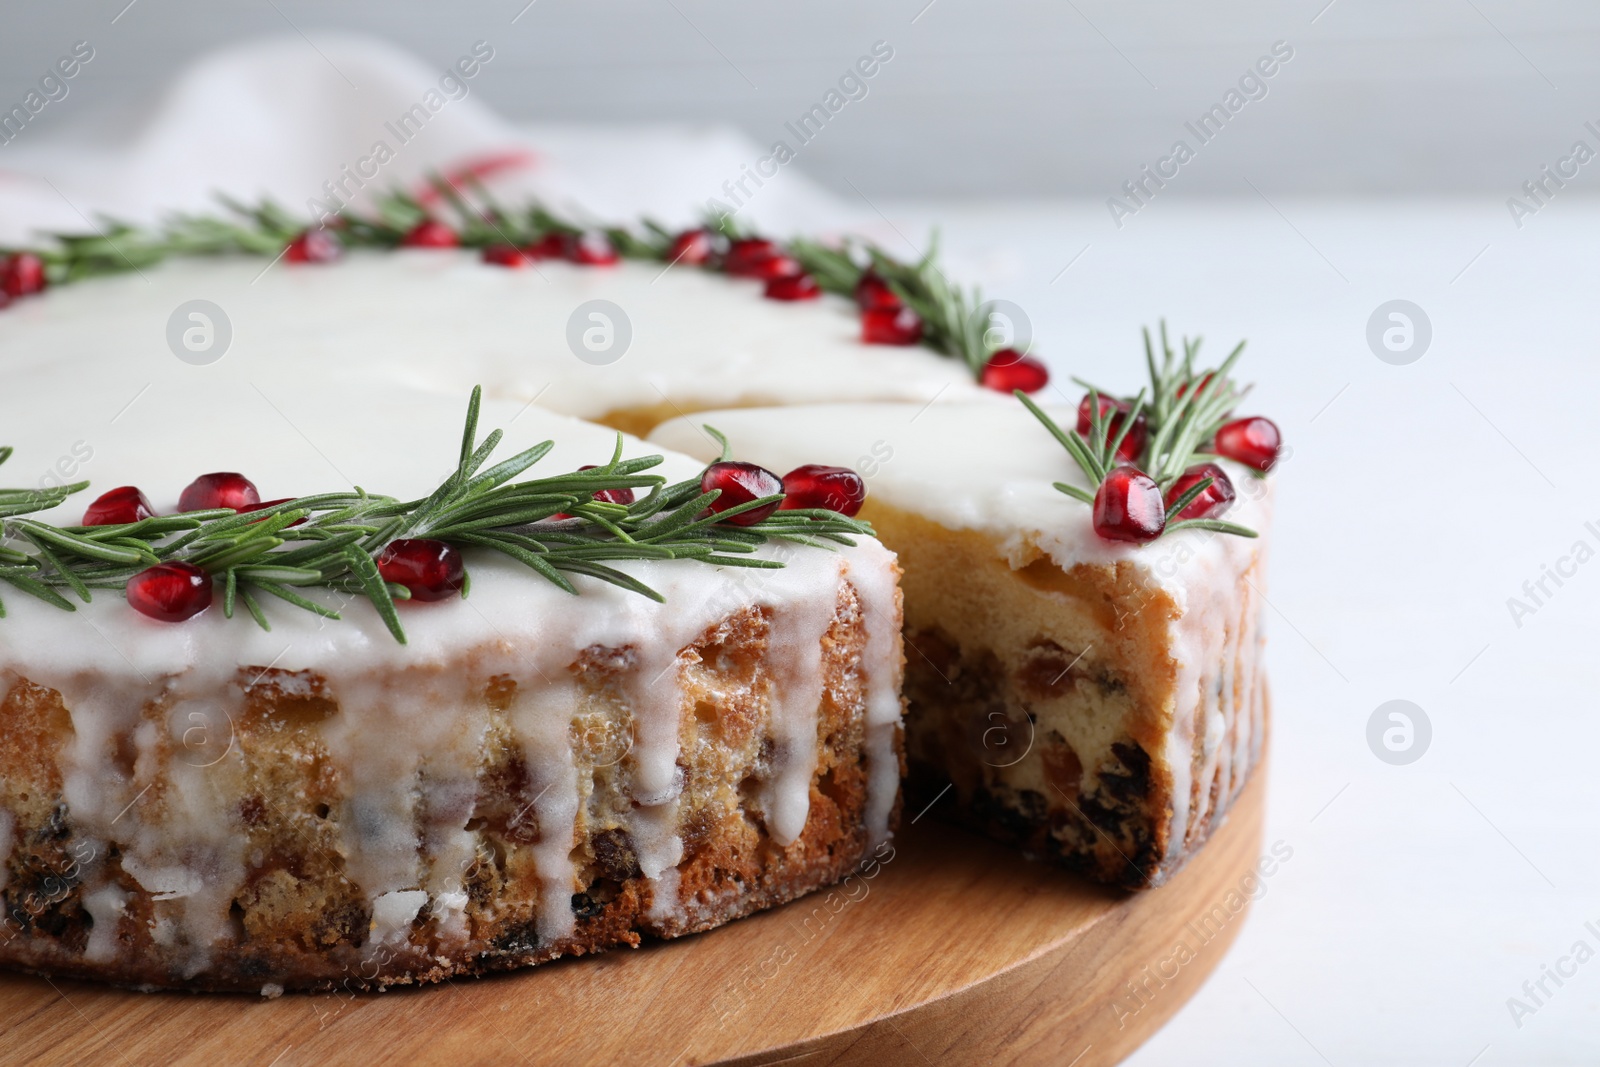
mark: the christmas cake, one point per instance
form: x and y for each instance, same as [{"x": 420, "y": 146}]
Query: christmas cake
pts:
[{"x": 383, "y": 779}]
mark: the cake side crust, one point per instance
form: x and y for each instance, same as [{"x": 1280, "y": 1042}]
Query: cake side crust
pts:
[{"x": 81, "y": 904}]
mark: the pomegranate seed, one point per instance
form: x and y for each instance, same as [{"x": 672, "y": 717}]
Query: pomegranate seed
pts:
[
  {"x": 746, "y": 257},
  {"x": 816, "y": 486},
  {"x": 1128, "y": 507},
  {"x": 874, "y": 294},
  {"x": 1199, "y": 383},
  {"x": 430, "y": 233},
  {"x": 22, "y": 275},
  {"x": 1009, "y": 370},
  {"x": 691, "y": 246},
  {"x": 504, "y": 256},
  {"x": 263, "y": 505},
  {"x": 891, "y": 326},
  {"x": 550, "y": 246},
  {"x": 430, "y": 569},
  {"x": 314, "y": 246},
  {"x": 741, "y": 483},
  {"x": 614, "y": 496},
  {"x": 622, "y": 496},
  {"x": 170, "y": 592},
  {"x": 224, "y": 489},
  {"x": 1116, "y": 411},
  {"x": 1254, "y": 441},
  {"x": 591, "y": 249},
  {"x": 123, "y": 504},
  {"x": 1212, "y": 501},
  {"x": 793, "y": 287},
  {"x": 779, "y": 266}
]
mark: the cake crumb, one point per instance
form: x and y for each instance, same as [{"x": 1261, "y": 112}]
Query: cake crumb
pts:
[{"x": 271, "y": 991}]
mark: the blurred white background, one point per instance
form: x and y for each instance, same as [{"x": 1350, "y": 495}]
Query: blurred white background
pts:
[
  {"x": 1002, "y": 98},
  {"x": 1420, "y": 497}
]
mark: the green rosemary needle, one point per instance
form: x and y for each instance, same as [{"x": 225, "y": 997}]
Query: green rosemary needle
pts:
[{"x": 330, "y": 541}]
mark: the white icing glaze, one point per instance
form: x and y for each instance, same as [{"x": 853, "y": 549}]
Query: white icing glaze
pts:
[
  {"x": 443, "y": 321},
  {"x": 392, "y": 915},
  {"x": 989, "y": 468},
  {"x": 397, "y": 755},
  {"x": 541, "y": 718},
  {"x": 796, "y": 645}
]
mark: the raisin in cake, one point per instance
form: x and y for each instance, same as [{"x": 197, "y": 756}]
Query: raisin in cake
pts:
[
  {"x": 1095, "y": 701},
  {"x": 211, "y": 805}
]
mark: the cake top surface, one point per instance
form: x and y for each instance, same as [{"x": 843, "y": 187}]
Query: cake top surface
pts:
[
  {"x": 983, "y": 467},
  {"x": 296, "y": 441},
  {"x": 444, "y": 320}
]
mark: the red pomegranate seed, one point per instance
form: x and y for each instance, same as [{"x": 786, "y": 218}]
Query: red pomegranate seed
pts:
[
  {"x": 793, "y": 287},
  {"x": 1128, "y": 507},
  {"x": 314, "y": 246},
  {"x": 431, "y": 570},
  {"x": 1116, "y": 411},
  {"x": 592, "y": 249},
  {"x": 780, "y": 266},
  {"x": 741, "y": 483},
  {"x": 1199, "y": 383},
  {"x": 1009, "y": 370},
  {"x": 263, "y": 505},
  {"x": 1215, "y": 499},
  {"x": 745, "y": 257},
  {"x": 622, "y": 496},
  {"x": 891, "y": 326},
  {"x": 22, "y": 275},
  {"x": 816, "y": 486},
  {"x": 430, "y": 233},
  {"x": 170, "y": 592},
  {"x": 614, "y": 496},
  {"x": 123, "y": 504},
  {"x": 1254, "y": 441},
  {"x": 224, "y": 489},
  {"x": 874, "y": 294},
  {"x": 691, "y": 246},
  {"x": 505, "y": 256},
  {"x": 550, "y": 246}
]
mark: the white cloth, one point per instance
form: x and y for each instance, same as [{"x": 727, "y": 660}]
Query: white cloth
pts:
[{"x": 280, "y": 117}]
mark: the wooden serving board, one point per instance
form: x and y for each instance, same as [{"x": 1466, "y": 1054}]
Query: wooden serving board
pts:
[{"x": 955, "y": 951}]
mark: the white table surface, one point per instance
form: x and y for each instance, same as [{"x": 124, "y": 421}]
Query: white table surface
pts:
[{"x": 1417, "y": 500}]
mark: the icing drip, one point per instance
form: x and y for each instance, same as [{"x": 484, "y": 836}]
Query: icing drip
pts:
[
  {"x": 655, "y": 697},
  {"x": 880, "y": 603},
  {"x": 541, "y": 719},
  {"x": 797, "y": 686},
  {"x": 105, "y": 906},
  {"x": 392, "y": 916}
]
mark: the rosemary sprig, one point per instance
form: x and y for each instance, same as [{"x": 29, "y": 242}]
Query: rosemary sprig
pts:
[
  {"x": 950, "y": 321},
  {"x": 552, "y": 525},
  {"x": 1184, "y": 409}
]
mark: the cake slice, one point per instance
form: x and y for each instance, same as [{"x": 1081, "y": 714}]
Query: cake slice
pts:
[
  {"x": 1100, "y": 702},
  {"x": 209, "y": 804}
]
